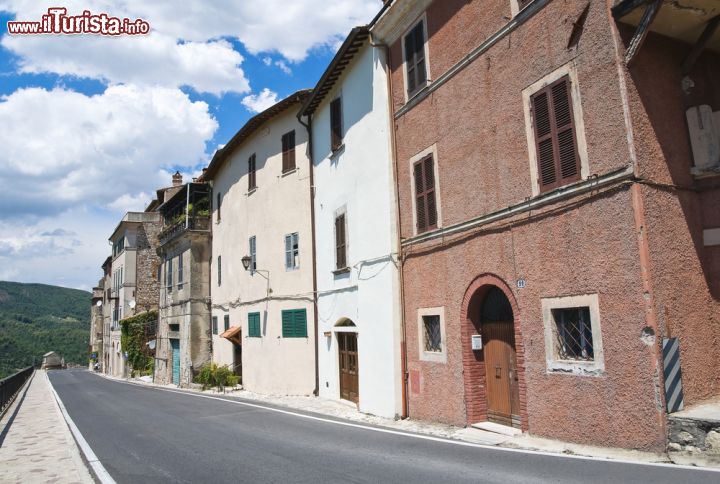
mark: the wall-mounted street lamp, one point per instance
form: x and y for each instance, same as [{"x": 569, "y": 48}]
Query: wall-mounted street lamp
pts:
[{"x": 246, "y": 264}]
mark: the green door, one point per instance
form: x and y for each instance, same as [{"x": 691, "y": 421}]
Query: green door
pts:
[{"x": 175, "y": 343}]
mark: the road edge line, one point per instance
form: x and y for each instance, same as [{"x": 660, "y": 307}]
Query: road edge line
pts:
[
  {"x": 98, "y": 469},
  {"x": 462, "y": 443}
]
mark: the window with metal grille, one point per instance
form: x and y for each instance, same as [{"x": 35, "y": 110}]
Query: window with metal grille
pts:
[
  {"x": 556, "y": 144},
  {"x": 433, "y": 336},
  {"x": 254, "y": 325},
  {"x": 226, "y": 321},
  {"x": 336, "y": 124},
  {"x": 288, "y": 151},
  {"x": 292, "y": 251},
  {"x": 415, "y": 59},
  {"x": 425, "y": 207},
  {"x": 214, "y": 325},
  {"x": 253, "y": 254},
  {"x": 252, "y": 181},
  {"x": 574, "y": 333},
  {"x": 340, "y": 243}
]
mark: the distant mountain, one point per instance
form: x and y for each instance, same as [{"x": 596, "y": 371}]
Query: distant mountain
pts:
[{"x": 37, "y": 318}]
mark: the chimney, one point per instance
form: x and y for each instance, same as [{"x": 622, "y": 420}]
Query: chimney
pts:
[{"x": 177, "y": 179}]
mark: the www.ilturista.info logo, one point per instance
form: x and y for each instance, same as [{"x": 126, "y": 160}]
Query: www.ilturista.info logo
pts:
[{"x": 58, "y": 22}]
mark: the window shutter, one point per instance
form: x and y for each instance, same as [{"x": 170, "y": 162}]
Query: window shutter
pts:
[
  {"x": 340, "y": 244},
  {"x": 254, "y": 325},
  {"x": 336, "y": 124},
  {"x": 425, "y": 204},
  {"x": 410, "y": 62},
  {"x": 288, "y": 150},
  {"x": 214, "y": 325},
  {"x": 415, "y": 58},
  {"x": 226, "y": 321},
  {"x": 252, "y": 184},
  {"x": 288, "y": 329},
  {"x": 557, "y": 156},
  {"x": 420, "y": 73},
  {"x": 300, "y": 323},
  {"x": 288, "y": 252}
]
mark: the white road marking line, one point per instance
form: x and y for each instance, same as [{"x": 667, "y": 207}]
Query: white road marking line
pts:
[
  {"x": 102, "y": 474},
  {"x": 426, "y": 437}
]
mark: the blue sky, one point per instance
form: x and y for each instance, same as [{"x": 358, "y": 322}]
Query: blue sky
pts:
[{"x": 90, "y": 126}]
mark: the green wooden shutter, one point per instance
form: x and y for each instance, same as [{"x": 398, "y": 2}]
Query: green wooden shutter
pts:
[
  {"x": 254, "y": 325},
  {"x": 301, "y": 323},
  {"x": 288, "y": 329}
]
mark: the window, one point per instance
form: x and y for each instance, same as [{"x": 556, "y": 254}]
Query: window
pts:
[
  {"x": 340, "y": 243},
  {"x": 573, "y": 341},
  {"x": 226, "y": 321},
  {"x": 431, "y": 334},
  {"x": 169, "y": 274},
  {"x": 180, "y": 272},
  {"x": 254, "y": 325},
  {"x": 336, "y": 124},
  {"x": 431, "y": 331},
  {"x": 555, "y": 141},
  {"x": 294, "y": 323},
  {"x": 219, "y": 270},
  {"x": 292, "y": 251},
  {"x": 252, "y": 180},
  {"x": 574, "y": 333},
  {"x": 415, "y": 68},
  {"x": 214, "y": 325},
  {"x": 253, "y": 254},
  {"x": 425, "y": 206},
  {"x": 219, "y": 202},
  {"x": 288, "y": 151}
]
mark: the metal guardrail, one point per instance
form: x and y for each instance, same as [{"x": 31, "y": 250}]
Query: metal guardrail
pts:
[{"x": 10, "y": 386}]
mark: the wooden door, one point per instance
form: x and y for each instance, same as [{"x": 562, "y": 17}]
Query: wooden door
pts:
[
  {"x": 347, "y": 350},
  {"x": 503, "y": 397}
]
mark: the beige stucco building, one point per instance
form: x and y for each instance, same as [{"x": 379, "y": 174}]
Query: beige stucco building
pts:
[{"x": 263, "y": 318}]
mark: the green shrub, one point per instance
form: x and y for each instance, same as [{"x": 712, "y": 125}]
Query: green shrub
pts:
[{"x": 212, "y": 375}]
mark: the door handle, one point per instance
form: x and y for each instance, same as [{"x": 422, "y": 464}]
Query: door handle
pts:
[{"x": 498, "y": 371}]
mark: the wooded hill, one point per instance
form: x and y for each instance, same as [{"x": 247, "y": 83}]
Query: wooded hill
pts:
[{"x": 37, "y": 318}]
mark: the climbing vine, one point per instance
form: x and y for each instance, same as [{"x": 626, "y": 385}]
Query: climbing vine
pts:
[{"x": 136, "y": 331}]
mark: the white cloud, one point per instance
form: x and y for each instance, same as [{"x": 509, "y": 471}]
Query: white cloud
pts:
[
  {"x": 260, "y": 102},
  {"x": 63, "y": 149},
  {"x": 130, "y": 203},
  {"x": 282, "y": 65},
  {"x": 267, "y": 61},
  {"x": 187, "y": 43}
]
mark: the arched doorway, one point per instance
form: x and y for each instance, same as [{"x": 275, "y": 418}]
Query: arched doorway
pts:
[
  {"x": 500, "y": 358},
  {"x": 493, "y": 379},
  {"x": 346, "y": 332}
]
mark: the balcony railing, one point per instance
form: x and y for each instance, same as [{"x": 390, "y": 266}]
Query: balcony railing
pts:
[{"x": 199, "y": 223}]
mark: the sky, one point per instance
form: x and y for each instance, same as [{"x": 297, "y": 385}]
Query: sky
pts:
[{"x": 92, "y": 125}]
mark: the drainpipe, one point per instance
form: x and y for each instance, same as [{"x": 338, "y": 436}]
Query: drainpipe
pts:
[
  {"x": 393, "y": 159},
  {"x": 308, "y": 127}
]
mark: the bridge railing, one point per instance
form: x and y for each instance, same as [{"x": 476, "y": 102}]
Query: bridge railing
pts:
[{"x": 10, "y": 386}]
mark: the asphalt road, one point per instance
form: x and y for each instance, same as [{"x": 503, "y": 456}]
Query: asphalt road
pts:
[{"x": 145, "y": 434}]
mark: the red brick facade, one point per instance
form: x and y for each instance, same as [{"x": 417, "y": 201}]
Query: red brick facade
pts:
[{"x": 624, "y": 240}]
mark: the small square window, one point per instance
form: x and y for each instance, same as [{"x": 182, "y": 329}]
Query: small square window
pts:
[
  {"x": 573, "y": 333},
  {"x": 433, "y": 336},
  {"x": 573, "y": 339}
]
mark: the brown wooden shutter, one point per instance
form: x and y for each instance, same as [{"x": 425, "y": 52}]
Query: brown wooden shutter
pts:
[
  {"x": 415, "y": 58},
  {"x": 335, "y": 124},
  {"x": 340, "y": 243},
  {"x": 288, "y": 151},
  {"x": 251, "y": 173},
  {"x": 425, "y": 204},
  {"x": 557, "y": 156}
]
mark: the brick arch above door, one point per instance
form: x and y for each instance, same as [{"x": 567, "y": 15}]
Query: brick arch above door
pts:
[{"x": 473, "y": 367}]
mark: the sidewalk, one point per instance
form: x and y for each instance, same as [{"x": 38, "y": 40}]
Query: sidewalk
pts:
[
  {"x": 347, "y": 410},
  {"x": 35, "y": 442}
]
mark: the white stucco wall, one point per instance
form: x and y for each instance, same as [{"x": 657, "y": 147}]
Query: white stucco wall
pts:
[
  {"x": 359, "y": 179},
  {"x": 280, "y": 205}
]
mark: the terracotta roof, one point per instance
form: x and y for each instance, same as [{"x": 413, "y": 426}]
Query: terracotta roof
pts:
[
  {"x": 249, "y": 128},
  {"x": 355, "y": 39}
]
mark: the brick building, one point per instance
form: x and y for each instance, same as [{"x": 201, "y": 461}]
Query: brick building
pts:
[{"x": 558, "y": 221}]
